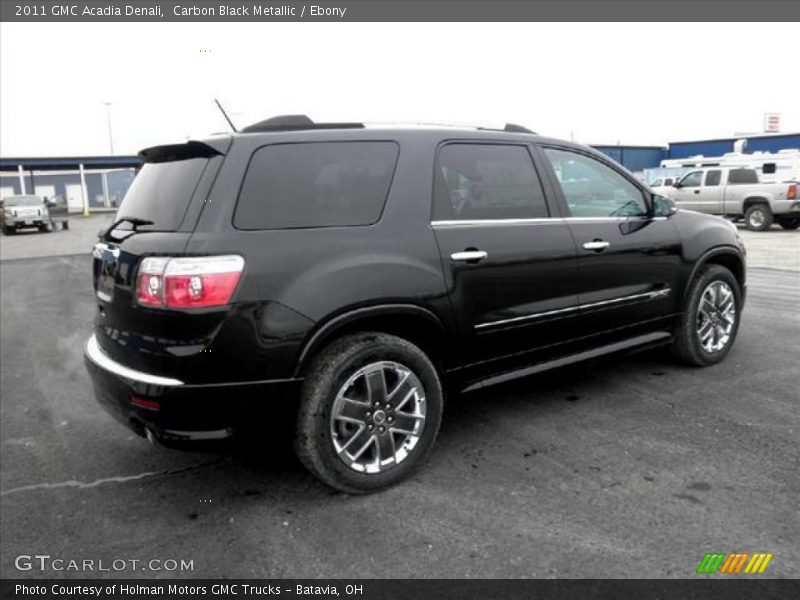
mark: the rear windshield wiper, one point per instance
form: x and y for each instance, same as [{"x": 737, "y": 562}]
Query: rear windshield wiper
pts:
[{"x": 135, "y": 221}]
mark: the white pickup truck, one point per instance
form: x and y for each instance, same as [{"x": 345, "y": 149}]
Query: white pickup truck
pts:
[{"x": 736, "y": 192}]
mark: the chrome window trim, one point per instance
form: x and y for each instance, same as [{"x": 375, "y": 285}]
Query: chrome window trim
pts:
[
  {"x": 479, "y": 222},
  {"x": 102, "y": 360},
  {"x": 644, "y": 296},
  {"x": 473, "y": 222}
]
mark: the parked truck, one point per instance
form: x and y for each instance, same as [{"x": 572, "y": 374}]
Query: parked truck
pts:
[{"x": 736, "y": 192}]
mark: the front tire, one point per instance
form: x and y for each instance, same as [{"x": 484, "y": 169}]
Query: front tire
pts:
[
  {"x": 9, "y": 230},
  {"x": 370, "y": 411},
  {"x": 710, "y": 321},
  {"x": 758, "y": 217}
]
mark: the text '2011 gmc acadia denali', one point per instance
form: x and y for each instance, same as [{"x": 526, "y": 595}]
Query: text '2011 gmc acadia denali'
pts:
[{"x": 365, "y": 271}]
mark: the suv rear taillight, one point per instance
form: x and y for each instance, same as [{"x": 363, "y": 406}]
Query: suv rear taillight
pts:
[
  {"x": 792, "y": 193},
  {"x": 196, "y": 282}
]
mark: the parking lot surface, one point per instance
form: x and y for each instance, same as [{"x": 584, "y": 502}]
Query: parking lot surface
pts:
[
  {"x": 79, "y": 239},
  {"x": 633, "y": 467},
  {"x": 773, "y": 249}
]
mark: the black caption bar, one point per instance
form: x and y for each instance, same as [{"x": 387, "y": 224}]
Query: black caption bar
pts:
[
  {"x": 388, "y": 589},
  {"x": 400, "y": 10}
]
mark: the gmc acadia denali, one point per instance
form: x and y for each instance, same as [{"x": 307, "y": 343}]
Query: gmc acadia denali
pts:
[{"x": 367, "y": 271}]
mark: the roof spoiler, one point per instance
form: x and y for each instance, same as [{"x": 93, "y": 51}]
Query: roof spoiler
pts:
[
  {"x": 295, "y": 123},
  {"x": 191, "y": 149}
]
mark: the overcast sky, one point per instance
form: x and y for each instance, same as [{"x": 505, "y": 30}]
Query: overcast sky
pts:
[{"x": 598, "y": 83}]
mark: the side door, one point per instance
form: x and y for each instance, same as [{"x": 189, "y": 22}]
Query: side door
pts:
[
  {"x": 628, "y": 260},
  {"x": 709, "y": 197},
  {"x": 509, "y": 259},
  {"x": 687, "y": 191}
]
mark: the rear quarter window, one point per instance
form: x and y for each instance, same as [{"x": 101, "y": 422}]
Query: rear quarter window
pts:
[{"x": 316, "y": 184}]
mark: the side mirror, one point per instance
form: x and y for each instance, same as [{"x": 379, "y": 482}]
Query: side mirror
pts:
[
  {"x": 663, "y": 206},
  {"x": 676, "y": 183},
  {"x": 49, "y": 203}
]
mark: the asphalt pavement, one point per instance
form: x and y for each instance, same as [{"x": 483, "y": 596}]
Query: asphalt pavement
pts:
[{"x": 633, "y": 467}]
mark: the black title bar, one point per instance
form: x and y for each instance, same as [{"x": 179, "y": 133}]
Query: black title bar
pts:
[
  {"x": 734, "y": 588},
  {"x": 131, "y": 11}
]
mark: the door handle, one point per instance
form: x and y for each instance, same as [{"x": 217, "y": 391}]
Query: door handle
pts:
[
  {"x": 469, "y": 255},
  {"x": 697, "y": 191},
  {"x": 596, "y": 245}
]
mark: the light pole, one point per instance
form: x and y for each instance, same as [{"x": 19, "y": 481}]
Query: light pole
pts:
[{"x": 110, "y": 134}]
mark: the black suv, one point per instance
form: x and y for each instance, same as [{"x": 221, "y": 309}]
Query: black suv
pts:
[{"x": 367, "y": 271}]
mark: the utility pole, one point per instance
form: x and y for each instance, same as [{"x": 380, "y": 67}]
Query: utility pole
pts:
[{"x": 110, "y": 134}]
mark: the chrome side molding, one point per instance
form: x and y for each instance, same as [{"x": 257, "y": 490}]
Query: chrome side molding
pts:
[{"x": 661, "y": 293}]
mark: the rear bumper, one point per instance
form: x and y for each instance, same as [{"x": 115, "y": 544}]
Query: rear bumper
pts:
[
  {"x": 171, "y": 409},
  {"x": 19, "y": 223},
  {"x": 786, "y": 207}
]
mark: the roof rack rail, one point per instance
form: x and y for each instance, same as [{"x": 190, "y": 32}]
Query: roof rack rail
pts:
[
  {"x": 295, "y": 123},
  {"x": 510, "y": 128}
]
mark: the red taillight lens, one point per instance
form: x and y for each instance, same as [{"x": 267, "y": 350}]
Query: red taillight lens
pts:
[
  {"x": 196, "y": 282},
  {"x": 150, "y": 283},
  {"x": 792, "y": 193}
]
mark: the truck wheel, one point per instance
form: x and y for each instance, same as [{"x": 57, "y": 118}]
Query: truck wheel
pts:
[
  {"x": 370, "y": 411},
  {"x": 65, "y": 225},
  {"x": 790, "y": 224},
  {"x": 758, "y": 217},
  {"x": 710, "y": 320},
  {"x": 8, "y": 230},
  {"x": 47, "y": 227}
]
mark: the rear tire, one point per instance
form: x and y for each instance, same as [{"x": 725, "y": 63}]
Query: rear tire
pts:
[
  {"x": 758, "y": 217},
  {"x": 370, "y": 410},
  {"x": 790, "y": 224},
  {"x": 706, "y": 333}
]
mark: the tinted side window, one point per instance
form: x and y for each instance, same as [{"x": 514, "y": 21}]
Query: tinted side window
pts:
[
  {"x": 742, "y": 176},
  {"x": 318, "y": 184},
  {"x": 693, "y": 179},
  {"x": 713, "y": 177},
  {"x": 487, "y": 181},
  {"x": 593, "y": 189}
]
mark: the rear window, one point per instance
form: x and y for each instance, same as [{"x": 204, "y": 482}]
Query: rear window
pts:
[
  {"x": 742, "y": 176},
  {"x": 23, "y": 201},
  {"x": 161, "y": 193},
  {"x": 317, "y": 184}
]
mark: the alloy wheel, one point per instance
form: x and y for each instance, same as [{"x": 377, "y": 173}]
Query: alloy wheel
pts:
[
  {"x": 757, "y": 218},
  {"x": 378, "y": 416},
  {"x": 716, "y": 316}
]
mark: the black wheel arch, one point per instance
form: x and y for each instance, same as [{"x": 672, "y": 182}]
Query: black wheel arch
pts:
[
  {"x": 417, "y": 324},
  {"x": 727, "y": 256}
]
